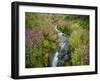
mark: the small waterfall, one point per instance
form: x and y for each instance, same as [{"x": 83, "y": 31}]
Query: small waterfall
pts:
[
  {"x": 61, "y": 51},
  {"x": 55, "y": 60}
]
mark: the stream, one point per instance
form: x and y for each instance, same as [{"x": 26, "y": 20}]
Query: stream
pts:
[{"x": 61, "y": 52}]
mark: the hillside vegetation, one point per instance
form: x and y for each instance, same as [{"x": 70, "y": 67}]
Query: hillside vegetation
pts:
[{"x": 41, "y": 39}]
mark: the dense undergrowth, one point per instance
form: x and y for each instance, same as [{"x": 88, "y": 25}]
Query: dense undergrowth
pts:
[{"x": 41, "y": 38}]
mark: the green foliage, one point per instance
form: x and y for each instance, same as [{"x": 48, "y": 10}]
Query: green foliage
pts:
[
  {"x": 78, "y": 39},
  {"x": 78, "y": 21},
  {"x": 35, "y": 20},
  {"x": 77, "y": 56},
  {"x": 34, "y": 57},
  {"x": 38, "y": 56},
  {"x": 76, "y": 28}
]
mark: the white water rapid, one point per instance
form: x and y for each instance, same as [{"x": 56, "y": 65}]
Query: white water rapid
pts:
[{"x": 62, "y": 40}]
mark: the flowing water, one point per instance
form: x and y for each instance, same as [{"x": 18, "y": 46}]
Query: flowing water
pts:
[
  {"x": 55, "y": 60},
  {"x": 61, "y": 51}
]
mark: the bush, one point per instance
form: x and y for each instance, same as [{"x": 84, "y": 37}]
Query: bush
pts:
[{"x": 43, "y": 38}]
